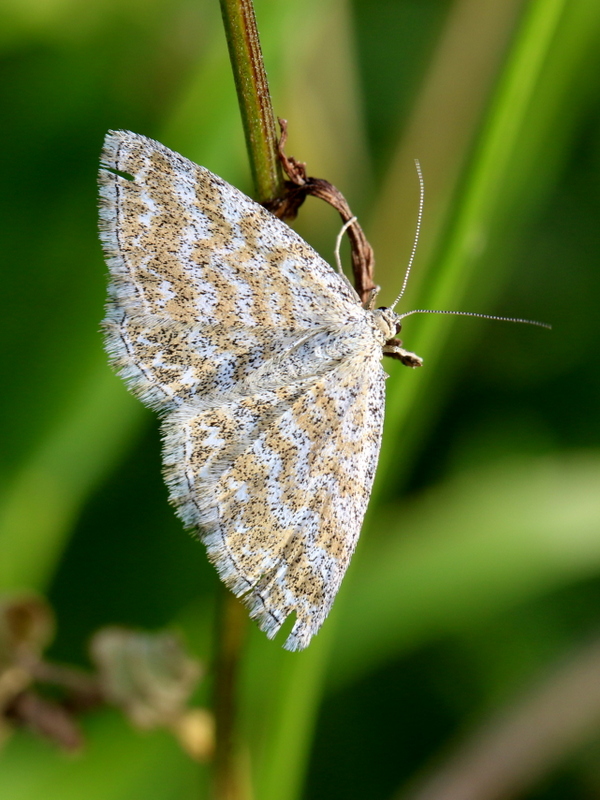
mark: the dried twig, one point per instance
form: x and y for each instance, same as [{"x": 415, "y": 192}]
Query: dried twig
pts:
[
  {"x": 297, "y": 189},
  {"x": 46, "y": 718}
]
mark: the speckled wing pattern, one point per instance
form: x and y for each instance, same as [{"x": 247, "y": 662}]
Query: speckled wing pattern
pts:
[{"x": 264, "y": 367}]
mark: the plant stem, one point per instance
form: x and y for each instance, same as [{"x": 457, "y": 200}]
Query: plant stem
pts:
[
  {"x": 228, "y": 783},
  {"x": 261, "y": 140},
  {"x": 254, "y": 97}
]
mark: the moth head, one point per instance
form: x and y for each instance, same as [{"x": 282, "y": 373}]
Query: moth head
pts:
[{"x": 387, "y": 321}]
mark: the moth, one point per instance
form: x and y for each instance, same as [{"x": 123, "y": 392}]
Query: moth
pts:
[{"x": 264, "y": 367}]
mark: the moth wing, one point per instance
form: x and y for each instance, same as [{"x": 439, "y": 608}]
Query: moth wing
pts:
[
  {"x": 184, "y": 245},
  {"x": 278, "y": 484},
  {"x": 167, "y": 363}
]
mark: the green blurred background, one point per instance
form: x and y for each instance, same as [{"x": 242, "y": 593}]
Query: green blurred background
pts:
[{"x": 474, "y": 596}]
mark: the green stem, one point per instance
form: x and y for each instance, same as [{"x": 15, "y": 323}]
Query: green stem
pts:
[
  {"x": 253, "y": 96},
  {"x": 261, "y": 140},
  {"x": 228, "y": 782}
]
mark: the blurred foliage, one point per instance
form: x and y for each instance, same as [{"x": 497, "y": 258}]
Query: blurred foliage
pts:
[{"x": 479, "y": 564}]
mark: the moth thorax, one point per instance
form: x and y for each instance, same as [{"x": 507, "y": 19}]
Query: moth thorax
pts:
[{"x": 387, "y": 322}]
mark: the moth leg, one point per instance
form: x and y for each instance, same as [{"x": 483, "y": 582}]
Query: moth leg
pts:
[{"x": 393, "y": 348}]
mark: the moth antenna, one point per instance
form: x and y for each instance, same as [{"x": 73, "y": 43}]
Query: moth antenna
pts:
[
  {"x": 409, "y": 267},
  {"x": 417, "y": 232},
  {"x": 338, "y": 243},
  {"x": 474, "y": 314}
]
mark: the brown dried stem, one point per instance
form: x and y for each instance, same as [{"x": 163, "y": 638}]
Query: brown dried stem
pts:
[
  {"x": 46, "y": 718},
  {"x": 54, "y": 720},
  {"x": 297, "y": 189}
]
